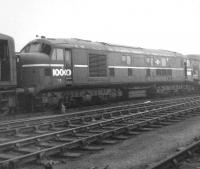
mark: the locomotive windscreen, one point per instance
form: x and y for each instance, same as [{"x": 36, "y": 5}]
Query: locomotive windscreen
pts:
[
  {"x": 37, "y": 47},
  {"x": 4, "y": 61}
]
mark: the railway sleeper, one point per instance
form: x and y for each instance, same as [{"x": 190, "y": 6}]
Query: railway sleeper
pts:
[
  {"x": 57, "y": 128},
  {"x": 7, "y": 156},
  {"x": 173, "y": 120},
  {"x": 73, "y": 125},
  {"x": 93, "y": 131},
  {"x": 40, "y": 131},
  {"x": 109, "y": 127},
  {"x": 65, "y": 139},
  {"x": 3, "y": 139},
  {"x": 71, "y": 154},
  {"x": 48, "y": 144},
  {"x": 132, "y": 132},
  {"x": 108, "y": 141},
  {"x": 21, "y": 135},
  {"x": 82, "y": 134},
  {"x": 181, "y": 117},
  {"x": 144, "y": 129},
  {"x": 121, "y": 124},
  {"x": 155, "y": 125},
  {"x": 24, "y": 150},
  {"x": 91, "y": 148},
  {"x": 120, "y": 137}
]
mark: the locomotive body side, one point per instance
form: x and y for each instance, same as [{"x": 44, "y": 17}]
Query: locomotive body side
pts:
[
  {"x": 127, "y": 68},
  {"x": 133, "y": 71}
]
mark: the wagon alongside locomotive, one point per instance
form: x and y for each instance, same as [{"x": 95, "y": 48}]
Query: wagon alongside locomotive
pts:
[
  {"x": 7, "y": 73},
  {"x": 75, "y": 71}
]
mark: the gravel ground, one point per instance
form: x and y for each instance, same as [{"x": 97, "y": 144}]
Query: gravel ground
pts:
[
  {"x": 140, "y": 151},
  {"x": 191, "y": 163}
]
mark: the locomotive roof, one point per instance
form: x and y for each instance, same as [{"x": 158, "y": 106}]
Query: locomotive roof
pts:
[
  {"x": 194, "y": 56},
  {"x": 86, "y": 44},
  {"x": 5, "y": 37}
]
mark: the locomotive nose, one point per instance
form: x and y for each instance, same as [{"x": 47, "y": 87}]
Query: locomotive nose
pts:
[{"x": 31, "y": 70}]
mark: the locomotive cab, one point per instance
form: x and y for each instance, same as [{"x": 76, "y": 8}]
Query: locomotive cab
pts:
[
  {"x": 61, "y": 63},
  {"x": 49, "y": 66},
  {"x": 42, "y": 67}
]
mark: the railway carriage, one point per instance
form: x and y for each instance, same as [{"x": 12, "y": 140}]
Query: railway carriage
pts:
[
  {"x": 7, "y": 73},
  {"x": 80, "y": 71}
]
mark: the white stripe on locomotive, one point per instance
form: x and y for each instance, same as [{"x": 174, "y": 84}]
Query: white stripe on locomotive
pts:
[{"x": 86, "y": 66}]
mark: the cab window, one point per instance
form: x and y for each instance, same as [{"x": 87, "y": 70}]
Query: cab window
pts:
[
  {"x": 68, "y": 57},
  {"x": 46, "y": 49},
  {"x": 58, "y": 54},
  {"x": 26, "y": 49},
  {"x": 35, "y": 47}
]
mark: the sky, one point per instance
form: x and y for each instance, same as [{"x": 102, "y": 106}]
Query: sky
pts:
[{"x": 156, "y": 24}]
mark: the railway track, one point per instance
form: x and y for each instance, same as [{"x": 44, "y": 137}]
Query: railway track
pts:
[
  {"x": 38, "y": 143},
  {"x": 135, "y": 108},
  {"x": 42, "y": 126}
]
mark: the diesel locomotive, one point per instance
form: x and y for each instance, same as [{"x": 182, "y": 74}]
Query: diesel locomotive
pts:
[
  {"x": 76, "y": 71},
  {"x": 53, "y": 72}
]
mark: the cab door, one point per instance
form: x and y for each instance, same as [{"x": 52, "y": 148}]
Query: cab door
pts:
[
  {"x": 61, "y": 65},
  {"x": 68, "y": 63}
]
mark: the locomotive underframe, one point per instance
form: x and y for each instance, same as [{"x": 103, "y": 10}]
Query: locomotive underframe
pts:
[
  {"x": 7, "y": 100},
  {"x": 73, "y": 96}
]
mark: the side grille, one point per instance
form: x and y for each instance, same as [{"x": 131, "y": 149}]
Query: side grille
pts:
[{"x": 97, "y": 65}]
